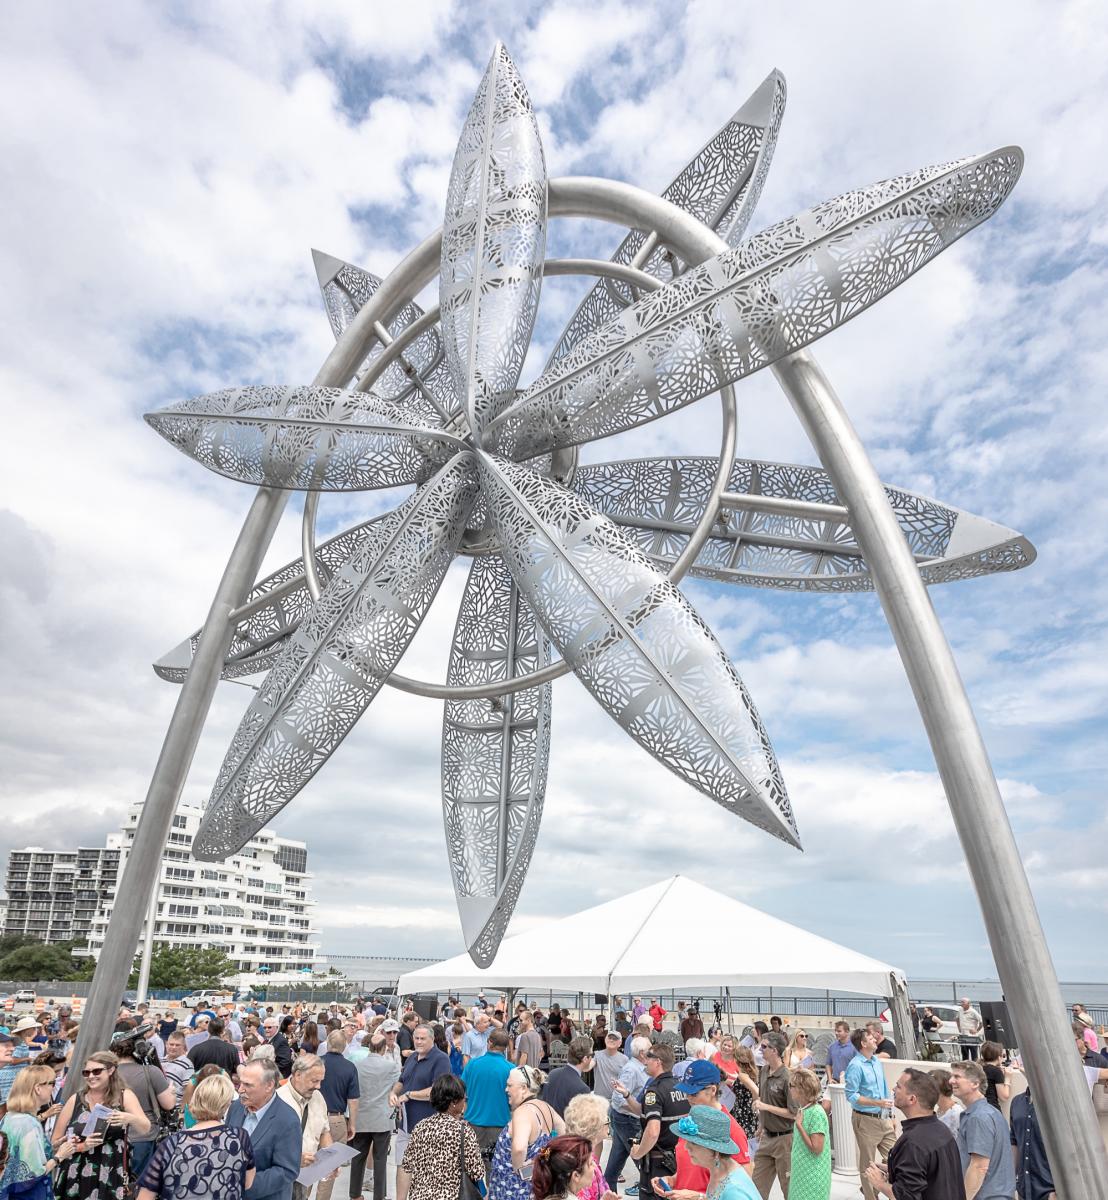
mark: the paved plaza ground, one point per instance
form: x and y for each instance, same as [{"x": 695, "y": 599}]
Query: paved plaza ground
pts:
[{"x": 843, "y": 1187}]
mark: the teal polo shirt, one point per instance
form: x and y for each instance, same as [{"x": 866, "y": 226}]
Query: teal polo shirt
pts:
[{"x": 486, "y": 1100}]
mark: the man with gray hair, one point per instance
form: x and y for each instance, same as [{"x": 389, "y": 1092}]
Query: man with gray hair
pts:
[
  {"x": 412, "y": 1093},
  {"x": 302, "y": 1095},
  {"x": 623, "y": 1119},
  {"x": 273, "y": 1128},
  {"x": 608, "y": 1064}
]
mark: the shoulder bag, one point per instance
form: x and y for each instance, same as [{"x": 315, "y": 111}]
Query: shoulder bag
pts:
[{"x": 467, "y": 1188}]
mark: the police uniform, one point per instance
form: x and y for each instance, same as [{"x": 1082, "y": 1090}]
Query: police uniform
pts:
[{"x": 661, "y": 1102}]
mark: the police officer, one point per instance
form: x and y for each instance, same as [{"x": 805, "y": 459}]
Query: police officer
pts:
[{"x": 662, "y": 1108}]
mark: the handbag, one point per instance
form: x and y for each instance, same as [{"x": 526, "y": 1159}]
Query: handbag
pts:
[{"x": 467, "y": 1189}]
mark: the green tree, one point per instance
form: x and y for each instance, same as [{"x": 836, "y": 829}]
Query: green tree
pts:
[
  {"x": 185, "y": 967},
  {"x": 36, "y": 961}
]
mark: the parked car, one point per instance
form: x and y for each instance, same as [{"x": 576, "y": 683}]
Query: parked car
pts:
[
  {"x": 24, "y": 996},
  {"x": 206, "y": 999}
]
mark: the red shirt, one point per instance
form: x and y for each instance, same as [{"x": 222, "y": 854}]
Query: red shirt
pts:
[
  {"x": 689, "y": 1175},
  {"x": 657, "y": 1012},
  {"x": 729, "y": 1067}
]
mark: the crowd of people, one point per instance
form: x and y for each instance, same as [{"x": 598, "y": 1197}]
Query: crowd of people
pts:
[{"x": 235, "y": 1102}]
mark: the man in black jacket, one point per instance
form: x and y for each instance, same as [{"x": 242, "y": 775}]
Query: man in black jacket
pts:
[
  {"x": 215, "y": 1050},
  {"x": 282, "y": 1051},
  {"x": 924, "y": 1163}
]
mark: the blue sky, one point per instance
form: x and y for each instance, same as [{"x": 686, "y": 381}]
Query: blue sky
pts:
[{"x": 168, "y": 168}]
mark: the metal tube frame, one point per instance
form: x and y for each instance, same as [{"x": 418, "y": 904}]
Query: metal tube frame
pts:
[
  {"x": 1019, "y": 947},
  {"x": 1073, "y": 1142},
  {"x": 601, "y": 199}
]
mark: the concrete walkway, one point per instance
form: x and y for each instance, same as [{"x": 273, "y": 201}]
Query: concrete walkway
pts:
[{"x": 843, "y": 1187}]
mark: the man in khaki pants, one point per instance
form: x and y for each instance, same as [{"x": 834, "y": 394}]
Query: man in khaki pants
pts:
[
  {"x": 868, "y": 1092},
  {"x": 773, "y": 1158}
]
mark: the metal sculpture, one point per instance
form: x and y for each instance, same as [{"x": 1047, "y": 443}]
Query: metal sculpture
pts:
[
  {"x": 565, "y": 569},
  {"x": 588, "y": 559}
]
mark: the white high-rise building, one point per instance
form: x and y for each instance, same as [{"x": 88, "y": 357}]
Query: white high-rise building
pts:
[
  {"x": 256, "y": 907},
  {"x": 53, "y": 895}
]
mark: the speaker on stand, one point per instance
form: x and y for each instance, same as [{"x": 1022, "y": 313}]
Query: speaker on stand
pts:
[{"x": 998, "y": 1024}]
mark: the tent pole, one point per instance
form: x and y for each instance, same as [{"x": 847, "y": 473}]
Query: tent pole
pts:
[{"x": 730, "y": 1014}]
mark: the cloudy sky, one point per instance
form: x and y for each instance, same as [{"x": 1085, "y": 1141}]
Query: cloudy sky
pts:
[{"x": 166, "y": 170}]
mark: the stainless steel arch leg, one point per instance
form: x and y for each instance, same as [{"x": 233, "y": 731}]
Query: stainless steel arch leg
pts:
[
  {"x": 132, "y": 897},
  {"x": 1073, "y": 1140}
]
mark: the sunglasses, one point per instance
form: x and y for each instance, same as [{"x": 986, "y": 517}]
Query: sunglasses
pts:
[{"x": 91, "y": 1071}]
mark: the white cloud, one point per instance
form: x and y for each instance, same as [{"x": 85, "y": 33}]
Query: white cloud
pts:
[{"x": 162, "y": 189}]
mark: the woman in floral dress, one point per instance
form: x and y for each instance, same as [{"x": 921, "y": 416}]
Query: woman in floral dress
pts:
[
  {"x": 99, "y": 1168},
  {"x": 745, "y": 1087}
]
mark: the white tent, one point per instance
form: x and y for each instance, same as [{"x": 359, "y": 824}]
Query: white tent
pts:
[{"x": 676, "y": 934}]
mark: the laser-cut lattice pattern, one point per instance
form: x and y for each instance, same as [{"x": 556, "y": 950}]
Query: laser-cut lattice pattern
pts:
[
  {"x": 720, "y": 186},
  {"x": 493, "y": 242},
  {"x": 307, "y": 438},
  {"x": 337, "y": 660},
  {"x": 658, "y": 501},
  {"x": 586, "y": 578},
  {"x": 259, "y": 638},
  {"x": 426, "y": 393},
  {"x": 636, "y": 643},
  {"x": 745, "y": 309},
  {"x": 494, "y": 757}
]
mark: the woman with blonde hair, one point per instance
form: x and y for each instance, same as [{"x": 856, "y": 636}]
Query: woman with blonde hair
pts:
[
  {"x": 210, "y": 1161},
  {"x": 531, "y": 1127},
  {"x": 810, "y": 1167},
  {"x": 586, "y": 1117},
  {"x": 99, "y": 1168},
  {"x": 29, "y": 1169},
  {"x": 798, "y": 1055},
  {"x": 724, "y": 1058}
]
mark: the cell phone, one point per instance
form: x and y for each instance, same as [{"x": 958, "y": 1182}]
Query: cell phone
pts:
[
  {"x": 660, "y": 1181},
  {"x": 527, "y": 1170}
]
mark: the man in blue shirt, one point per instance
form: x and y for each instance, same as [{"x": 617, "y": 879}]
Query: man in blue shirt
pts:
[
  {"x": 984, "y": 1140},
  {"x": 476, "y": 1041},
  {"x": 867, "y": 1089},
  {"x": 840, "y": 1052},
  {"x": 340, "y": 1092},
  {"x": 486, "y": 1101},
  {"x": 413, "y": 1091}
]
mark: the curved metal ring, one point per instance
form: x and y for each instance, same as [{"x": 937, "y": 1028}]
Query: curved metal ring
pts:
[{"x": 617, "y": 203}]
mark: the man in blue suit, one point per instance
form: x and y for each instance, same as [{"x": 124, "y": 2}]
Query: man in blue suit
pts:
[{"x": 273, "y": 1128}]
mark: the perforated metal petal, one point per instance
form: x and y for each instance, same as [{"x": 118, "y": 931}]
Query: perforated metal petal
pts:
[
  {"x": 719, "y": 186},
  {"x": 658, "y": 502},
  {"x": 494, "y": 755},
  {"x": 749, "y": 307},
  {"x": 283, "y": 599},
  {"x": 493, "y": 242},
  {"x": 420, "y": 382},
  {"x": 337, "y": 660},
  {"x": 636, "y": 643},
  {"x": 305, "y": 438}
]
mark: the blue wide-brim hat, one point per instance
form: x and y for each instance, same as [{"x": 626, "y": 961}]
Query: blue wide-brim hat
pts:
[{"x": 707, "y": 1127}]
